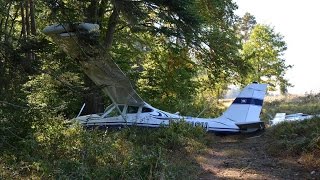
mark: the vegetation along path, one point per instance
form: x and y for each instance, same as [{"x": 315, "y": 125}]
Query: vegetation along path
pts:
[{"x": 245, "y": 157}]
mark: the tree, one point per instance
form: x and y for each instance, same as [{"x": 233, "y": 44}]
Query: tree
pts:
[
  {"x": 245, "y": 25},
  {"x": 168, "y": 77},
  {"x": 264, "y": 52},
  {"x": 201, "y": 27},
  {"x": 172, "y": 18}
]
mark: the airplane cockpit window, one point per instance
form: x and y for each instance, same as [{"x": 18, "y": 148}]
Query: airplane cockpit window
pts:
[
  {"x": 132, "y": 109},
  {"x": 114, "y": 112},
  {"x": 121, "y": 107},
  {"x": 145, "y": 110}
]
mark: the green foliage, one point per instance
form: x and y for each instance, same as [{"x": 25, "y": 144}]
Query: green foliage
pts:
[
  {"x": 218, "y": 49},
  {"x": 296, "y": 138},
  {"x": 263, "y": 51},
  {"x": 207, "y": 98},
  {"x": 65, "y": 11},
  {"x": 159, "y": 44},
  {"x": 165, "y": 68},
  {"x": 132, "y": 153},
  {"x": 167, "y": 78},
  {"x": 59, "y": 88},
  {"x": 245, "y": 25}
]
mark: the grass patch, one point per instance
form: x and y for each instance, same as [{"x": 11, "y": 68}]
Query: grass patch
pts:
[
  {"x": 299, "y": 139},
  {"x": 295, "y": 137},
  {"x": 55, "y": 151}
]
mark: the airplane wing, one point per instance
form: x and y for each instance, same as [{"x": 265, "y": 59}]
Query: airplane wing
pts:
[
  {"x": 81, "y": 43},
  {"x": 279, "y": 117}
]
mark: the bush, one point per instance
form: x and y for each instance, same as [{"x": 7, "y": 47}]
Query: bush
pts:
[
  {"x": 297, "y": 138},
  {"x": 58, "y": 151}
]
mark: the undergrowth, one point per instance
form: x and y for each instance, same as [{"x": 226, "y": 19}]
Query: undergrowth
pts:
[
  {"x": 60, "y": 152},
  {"x": 296, "y": 138}
]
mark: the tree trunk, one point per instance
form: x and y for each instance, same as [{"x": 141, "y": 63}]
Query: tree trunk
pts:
[
  {"x": 28, "y": 28},
  {"x": 94, "y": 14},
  {"x": 93, "y": 98},
  {"x": 92, "y": 11},
  {"x": 32, "y": 18},
  {"x": 23, "y": 21},
  {"x": 3, "y": 19},
  {"x": 27, "y": 17},
  {"x": 102, "y": 11},
  {"x": 5, "y": 30},
  {"x": 112, "y": 23},
  {"x": 12, "y": 28}
]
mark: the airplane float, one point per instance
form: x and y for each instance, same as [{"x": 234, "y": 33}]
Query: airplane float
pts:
[{"x": 80, "y": 41}]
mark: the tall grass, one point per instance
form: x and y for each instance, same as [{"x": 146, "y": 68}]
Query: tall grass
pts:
[
  {"x": 60, "y": 152},
  {"x": 297, "y": 138}
]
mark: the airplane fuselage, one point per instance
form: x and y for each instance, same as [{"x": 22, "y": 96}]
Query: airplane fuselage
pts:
[{"x": 148, "y": 116}]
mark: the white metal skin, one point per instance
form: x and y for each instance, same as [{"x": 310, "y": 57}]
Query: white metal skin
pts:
[
  {"x": 283, "y": 117},
  {"x": 242, "y": 115}
]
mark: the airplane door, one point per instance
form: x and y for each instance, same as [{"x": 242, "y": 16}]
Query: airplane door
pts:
[
  {"x": 132, "y": 115},
  {"x": 145, "y": 116},
  {"x": 112, "y": 118}
]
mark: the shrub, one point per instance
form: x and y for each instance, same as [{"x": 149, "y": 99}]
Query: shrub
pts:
[
  {"x": 59, "y": 151},
  {"x": 297, "y": 138}
]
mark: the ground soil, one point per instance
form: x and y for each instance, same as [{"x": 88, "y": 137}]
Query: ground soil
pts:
[{"x": 245, "y": 157}]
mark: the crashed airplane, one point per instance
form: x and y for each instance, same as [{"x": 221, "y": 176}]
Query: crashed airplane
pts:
[{"x": 127, "y": 108}]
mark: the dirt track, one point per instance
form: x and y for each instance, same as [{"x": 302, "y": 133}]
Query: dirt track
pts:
[{"x": 243, "y": 157}]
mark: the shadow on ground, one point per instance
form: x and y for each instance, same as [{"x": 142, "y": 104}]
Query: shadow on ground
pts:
[{"x": 244, "y": 157}]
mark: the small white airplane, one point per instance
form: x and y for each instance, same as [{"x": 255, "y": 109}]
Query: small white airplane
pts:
[
  {"x": 283, "y": 117},
  {"x": 128, "y": 108},
  {"x": 242, "y": 115}
]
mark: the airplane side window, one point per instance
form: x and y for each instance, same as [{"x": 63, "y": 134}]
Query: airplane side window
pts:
[
  {"x": 145, "y": 110},
  {"x": 132, "y": 109},
  {"x": 121, "y": 107},
  {"x": 114, "y": 113}
]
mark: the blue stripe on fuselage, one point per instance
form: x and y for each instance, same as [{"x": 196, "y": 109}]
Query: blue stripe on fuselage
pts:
[{"x": 251, "y": 101}]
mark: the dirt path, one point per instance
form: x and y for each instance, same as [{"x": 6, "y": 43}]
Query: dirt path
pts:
[{"x": 240, "y": 157}]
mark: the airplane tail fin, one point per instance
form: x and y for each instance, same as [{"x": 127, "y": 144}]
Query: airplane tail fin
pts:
[{"x": 245, "y": 109}]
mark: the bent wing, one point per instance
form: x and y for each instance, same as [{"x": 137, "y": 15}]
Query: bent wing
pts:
[
  {"x": 81, "y": 43},
  {"x": 278, "y": 118}
]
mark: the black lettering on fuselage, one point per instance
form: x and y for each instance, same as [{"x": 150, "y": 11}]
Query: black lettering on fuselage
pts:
[
  {"x": 204, "y": 125},
  {"x": 197, "y": 123}
]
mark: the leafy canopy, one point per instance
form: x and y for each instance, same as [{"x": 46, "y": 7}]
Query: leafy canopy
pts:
[{"x": 264, "y": 52}]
